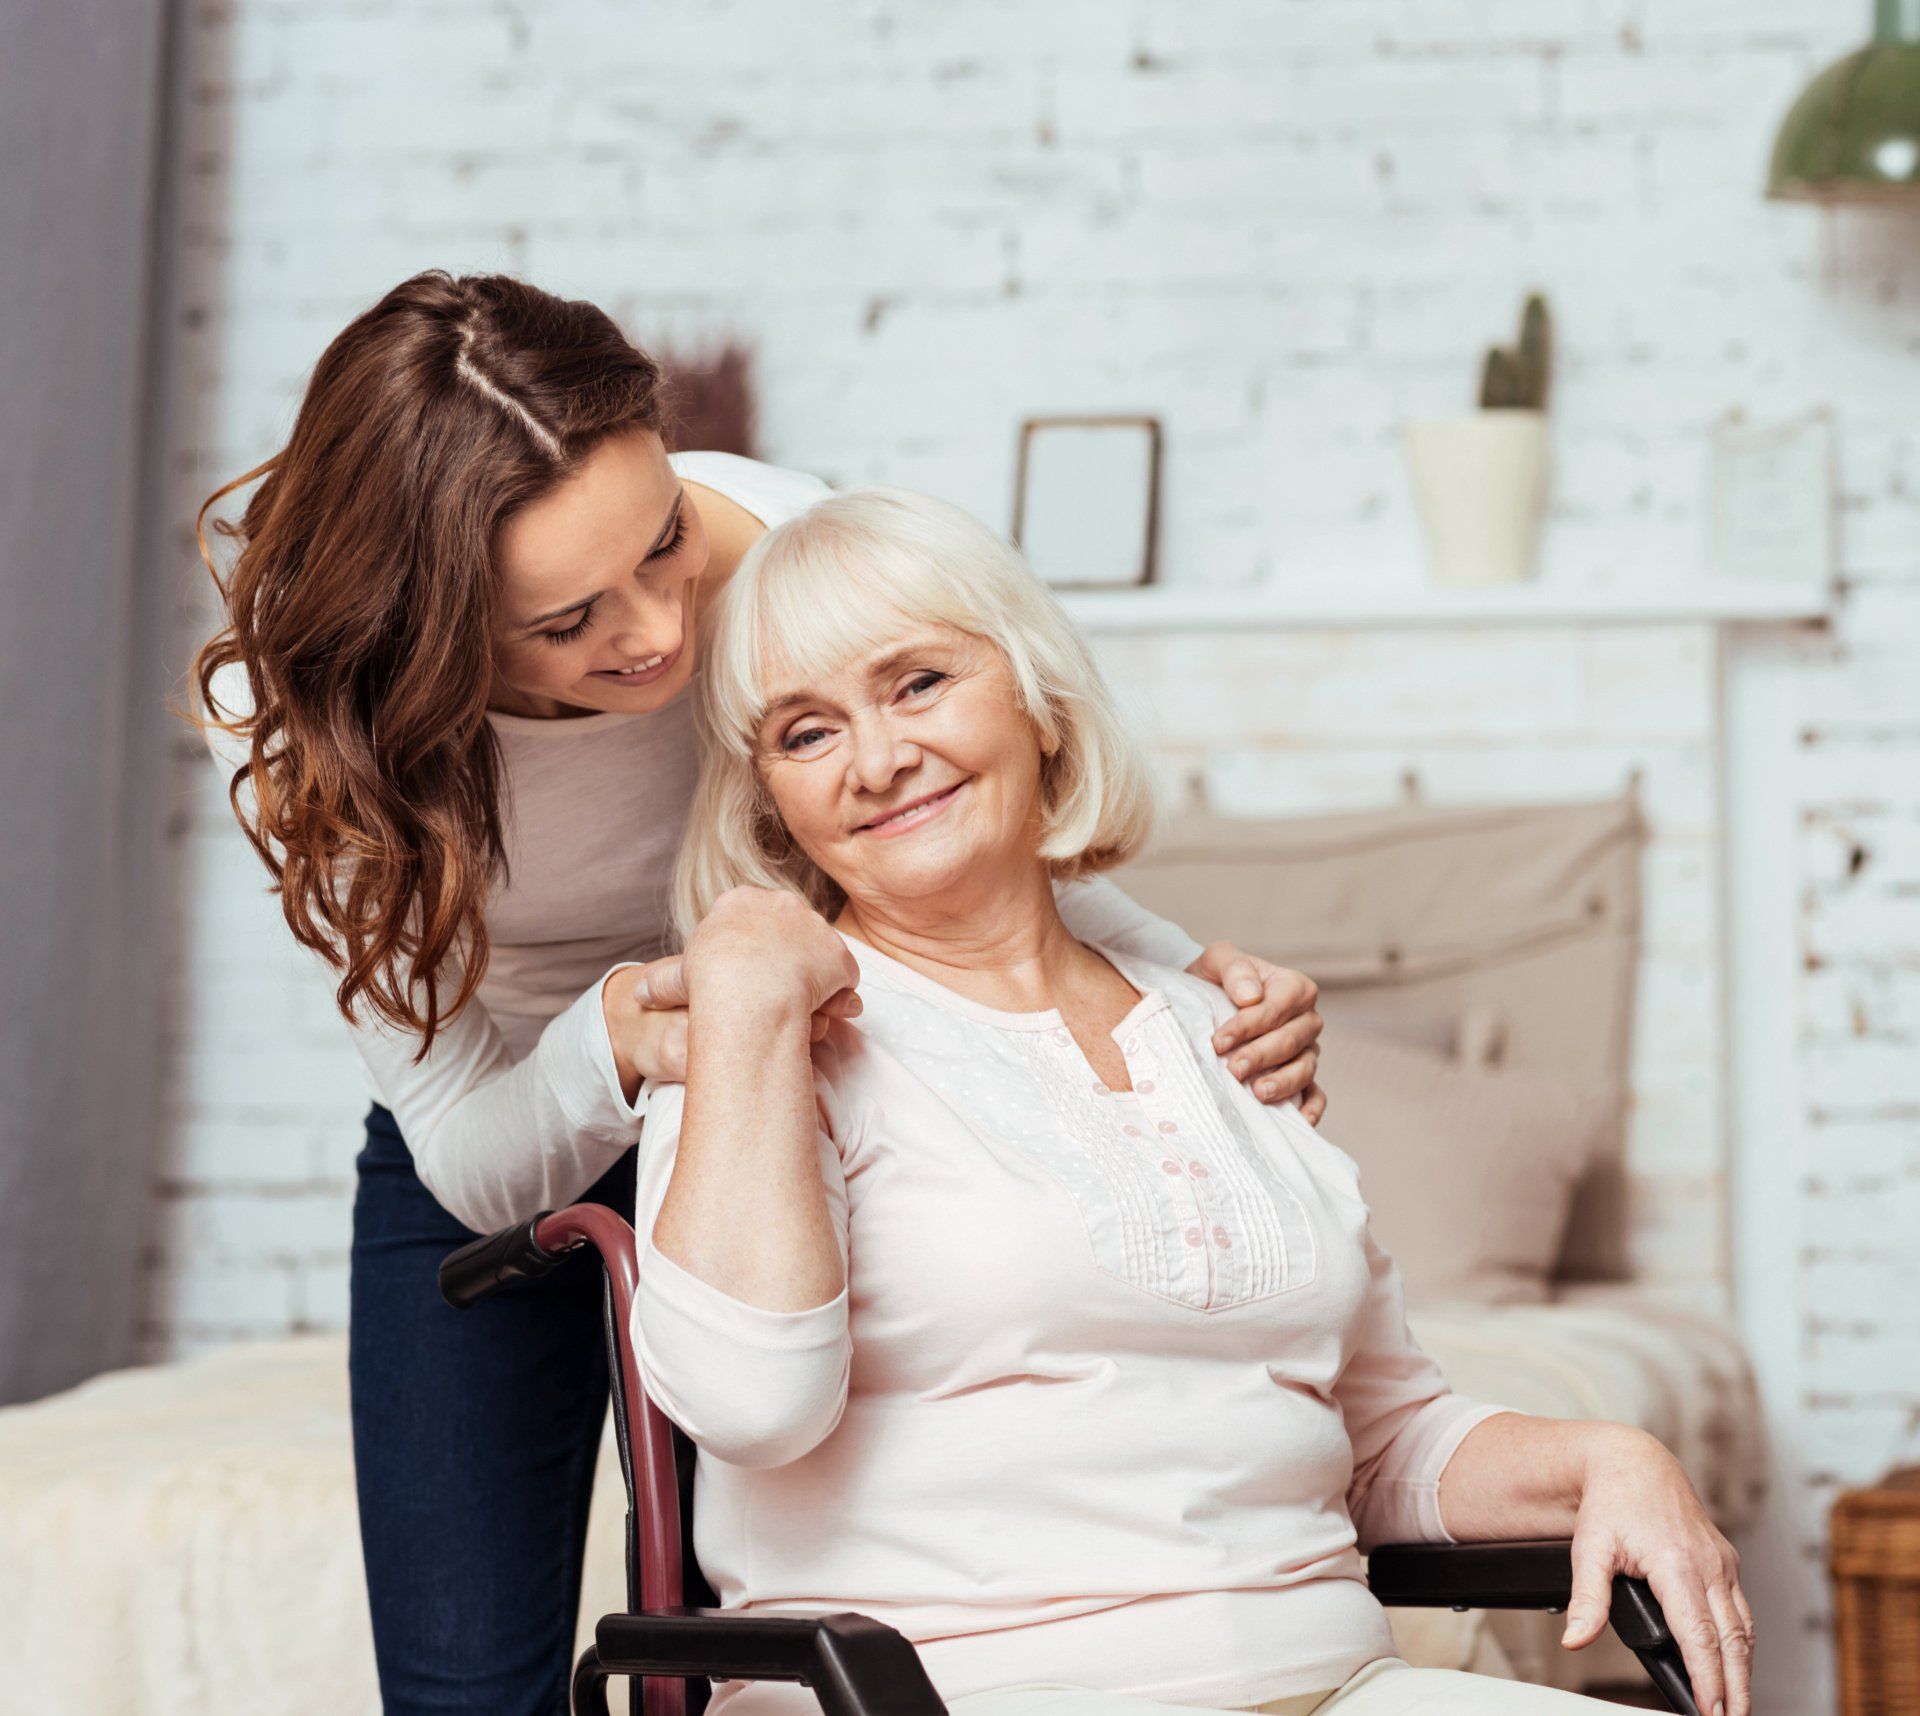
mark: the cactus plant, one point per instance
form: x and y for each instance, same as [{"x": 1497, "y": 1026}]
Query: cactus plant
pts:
[{"x": 1516, "y": 379}]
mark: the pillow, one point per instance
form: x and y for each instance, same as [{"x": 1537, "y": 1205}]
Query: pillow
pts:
[{"x": 1469, "y": 1171}]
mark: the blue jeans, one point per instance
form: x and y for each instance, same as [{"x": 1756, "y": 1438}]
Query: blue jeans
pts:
[{"x": 475, "y": 1435}]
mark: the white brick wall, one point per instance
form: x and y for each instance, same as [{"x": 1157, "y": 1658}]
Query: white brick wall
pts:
[{"x": 1283, "y": 227}]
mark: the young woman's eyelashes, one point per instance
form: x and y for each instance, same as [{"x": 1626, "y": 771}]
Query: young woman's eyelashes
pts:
[
  {"x": 575, "y": 630},
  {"x": 798, "y": 742},
  {"x": 670, "y": 546}
]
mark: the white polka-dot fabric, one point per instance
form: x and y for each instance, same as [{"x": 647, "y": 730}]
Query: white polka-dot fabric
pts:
[
  {"x": 1119, "y": 1384},
  {"x": 1174, "y": 1195}
]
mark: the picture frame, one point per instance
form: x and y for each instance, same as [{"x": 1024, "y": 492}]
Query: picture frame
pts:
[
  {"x": 1086, "y": 503},
  {"x": 1770, "y": 500}
]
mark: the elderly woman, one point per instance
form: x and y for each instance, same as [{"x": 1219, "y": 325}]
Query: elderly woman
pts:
[{"x": 1002, "y": 1313}]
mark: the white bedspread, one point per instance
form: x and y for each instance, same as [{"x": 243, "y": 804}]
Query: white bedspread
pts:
[{"x": 182, "y": 1539}]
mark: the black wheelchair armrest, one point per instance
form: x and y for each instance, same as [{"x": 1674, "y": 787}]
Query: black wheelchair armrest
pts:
[
  {"x": 1527, "y": 1576},
  {"x": 855, "y": 1665}
]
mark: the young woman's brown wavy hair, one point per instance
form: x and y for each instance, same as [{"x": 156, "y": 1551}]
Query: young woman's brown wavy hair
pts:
[{"x": 362, "y": 608}]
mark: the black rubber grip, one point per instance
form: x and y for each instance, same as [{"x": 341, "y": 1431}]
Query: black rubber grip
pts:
[{"x": 477, "y": 1269}]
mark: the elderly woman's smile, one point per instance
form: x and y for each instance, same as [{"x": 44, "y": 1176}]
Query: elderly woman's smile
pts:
[
  {"x": 910, "y": 769},
  {"x": 915, "y": 813}
]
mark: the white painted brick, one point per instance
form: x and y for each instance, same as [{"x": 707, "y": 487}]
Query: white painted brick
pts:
[
  {"x": 1675, "y": 1009},
  {"x": 1676, "y": 785},
  {"x": 1657, "y": 682},
  {"x": 1476, "y": 688},
  {"x": 1278, "y": 783},
  {"x": 1248, "y": 32},
  {"x": 1850, "y": 779},
  {"x": 1323, "y": 97},
  {"x": 1872, "y": 851},
  {"x": 1881, "y": 617},
  {"x": 1862, "y": 1353},
  {"x": 261, "y": 1226},
  {"x": 1867, "y": 924},
  {"x": 1675, "y": 1231},
  {"x": 1876, "y": 1218},
  {"x": 251, "y": 1295},
  {"x": 1854, "y": 1443},
  {"x": 1862, "y": 1075},
  {"x": 1826, "y": 31},
  {"x": 384, "y": 49},
  {"x": 320, "y": 1293},
  {"x": 1859, "y": 1000},
  {"x": 1680, "y": 89},
  {"x": 222, "y": 1148},
  {"x": 1847, "y": 1154}
]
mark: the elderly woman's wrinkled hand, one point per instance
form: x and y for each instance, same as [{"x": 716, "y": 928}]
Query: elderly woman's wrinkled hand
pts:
[
  {"x": 767, "y": 947},
  {"x": 1272, "y": 1044},
  {"x": 1639, "y": 1515}
]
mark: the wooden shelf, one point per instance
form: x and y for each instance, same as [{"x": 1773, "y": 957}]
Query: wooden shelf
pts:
[{"x": 1357, "y": 606}]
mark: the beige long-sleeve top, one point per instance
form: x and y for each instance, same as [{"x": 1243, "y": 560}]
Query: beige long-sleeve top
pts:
[{"x": 1119, "y": 1384}]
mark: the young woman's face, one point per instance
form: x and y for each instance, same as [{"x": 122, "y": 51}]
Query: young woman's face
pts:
[
  {"x": 908, "y": 773},
  {"x": 597, "y": 587}
]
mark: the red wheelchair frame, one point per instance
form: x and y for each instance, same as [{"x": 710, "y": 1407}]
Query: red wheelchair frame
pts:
[{"x": 856, "y": 1666}]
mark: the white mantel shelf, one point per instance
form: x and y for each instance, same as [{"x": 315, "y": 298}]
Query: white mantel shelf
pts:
[{"x": 1354, "y": 606}]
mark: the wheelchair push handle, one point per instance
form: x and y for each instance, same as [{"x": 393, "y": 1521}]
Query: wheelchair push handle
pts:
[{"x": 482, "y": 1266}]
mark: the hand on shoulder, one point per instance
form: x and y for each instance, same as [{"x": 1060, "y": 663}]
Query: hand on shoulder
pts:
[{"x": 761, "y": 948}]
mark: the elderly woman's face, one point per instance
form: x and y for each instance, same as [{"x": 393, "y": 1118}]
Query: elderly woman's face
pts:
[{"x": 908, "y": 770}]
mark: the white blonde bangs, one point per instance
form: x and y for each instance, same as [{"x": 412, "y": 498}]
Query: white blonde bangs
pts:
[{"x": 850, "y": 576}]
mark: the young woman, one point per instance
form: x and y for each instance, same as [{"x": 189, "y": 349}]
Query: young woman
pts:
[{"x": 466, "y": 607}]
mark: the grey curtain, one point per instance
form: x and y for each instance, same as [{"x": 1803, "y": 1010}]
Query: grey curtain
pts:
[{"x": 82, "y": 727}]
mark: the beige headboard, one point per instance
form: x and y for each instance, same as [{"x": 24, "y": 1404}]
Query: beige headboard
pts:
[{"x": 1417, "y": 919}]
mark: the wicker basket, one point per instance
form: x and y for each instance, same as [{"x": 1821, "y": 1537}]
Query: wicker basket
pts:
[{"x": 1876, "y": 1578}]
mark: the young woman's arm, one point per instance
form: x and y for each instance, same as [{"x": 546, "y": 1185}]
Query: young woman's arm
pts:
[
  {"x": 1097, "y": 909},
  {"x": 496, "y": 1140},
  {"x": 493, "y": 1139}
]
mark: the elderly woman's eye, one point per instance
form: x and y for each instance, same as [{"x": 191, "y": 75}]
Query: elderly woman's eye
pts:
[
  {"x": 800, "y": 740},
  {"x": 924, "y": 681}
]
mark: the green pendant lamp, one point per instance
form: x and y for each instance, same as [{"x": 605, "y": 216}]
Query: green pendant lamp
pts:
[{"x": 1854, "y": 134}]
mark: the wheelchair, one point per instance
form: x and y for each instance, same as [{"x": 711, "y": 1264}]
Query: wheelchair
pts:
[{"x": 855, "y": 1666}]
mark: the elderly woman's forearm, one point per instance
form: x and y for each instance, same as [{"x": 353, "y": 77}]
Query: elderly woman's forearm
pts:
[
  {"x": 1516, "y": 1476},
  {"x": 745, "y": 1210}
]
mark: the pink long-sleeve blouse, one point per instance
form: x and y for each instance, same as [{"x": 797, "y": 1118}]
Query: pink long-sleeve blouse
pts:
[{"x": 1119, "y": 1385}]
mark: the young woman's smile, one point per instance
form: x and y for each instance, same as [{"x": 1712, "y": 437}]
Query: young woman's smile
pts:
[
  {"x": 599, "y": 584},
  {"x": 640, "y": 673}
]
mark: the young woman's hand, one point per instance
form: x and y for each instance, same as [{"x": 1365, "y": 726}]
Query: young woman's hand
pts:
[
  {"x": 1639, "y": 1515},
  {"x": 1272, "y": 1042},
  {"x": 646, "y": 1010}
]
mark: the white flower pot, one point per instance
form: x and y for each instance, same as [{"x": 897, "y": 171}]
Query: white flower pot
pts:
[{"x": 1481, "y": 482}]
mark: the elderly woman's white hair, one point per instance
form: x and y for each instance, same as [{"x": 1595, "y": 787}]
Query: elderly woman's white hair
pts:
[{"x": 843, "y": 579}]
